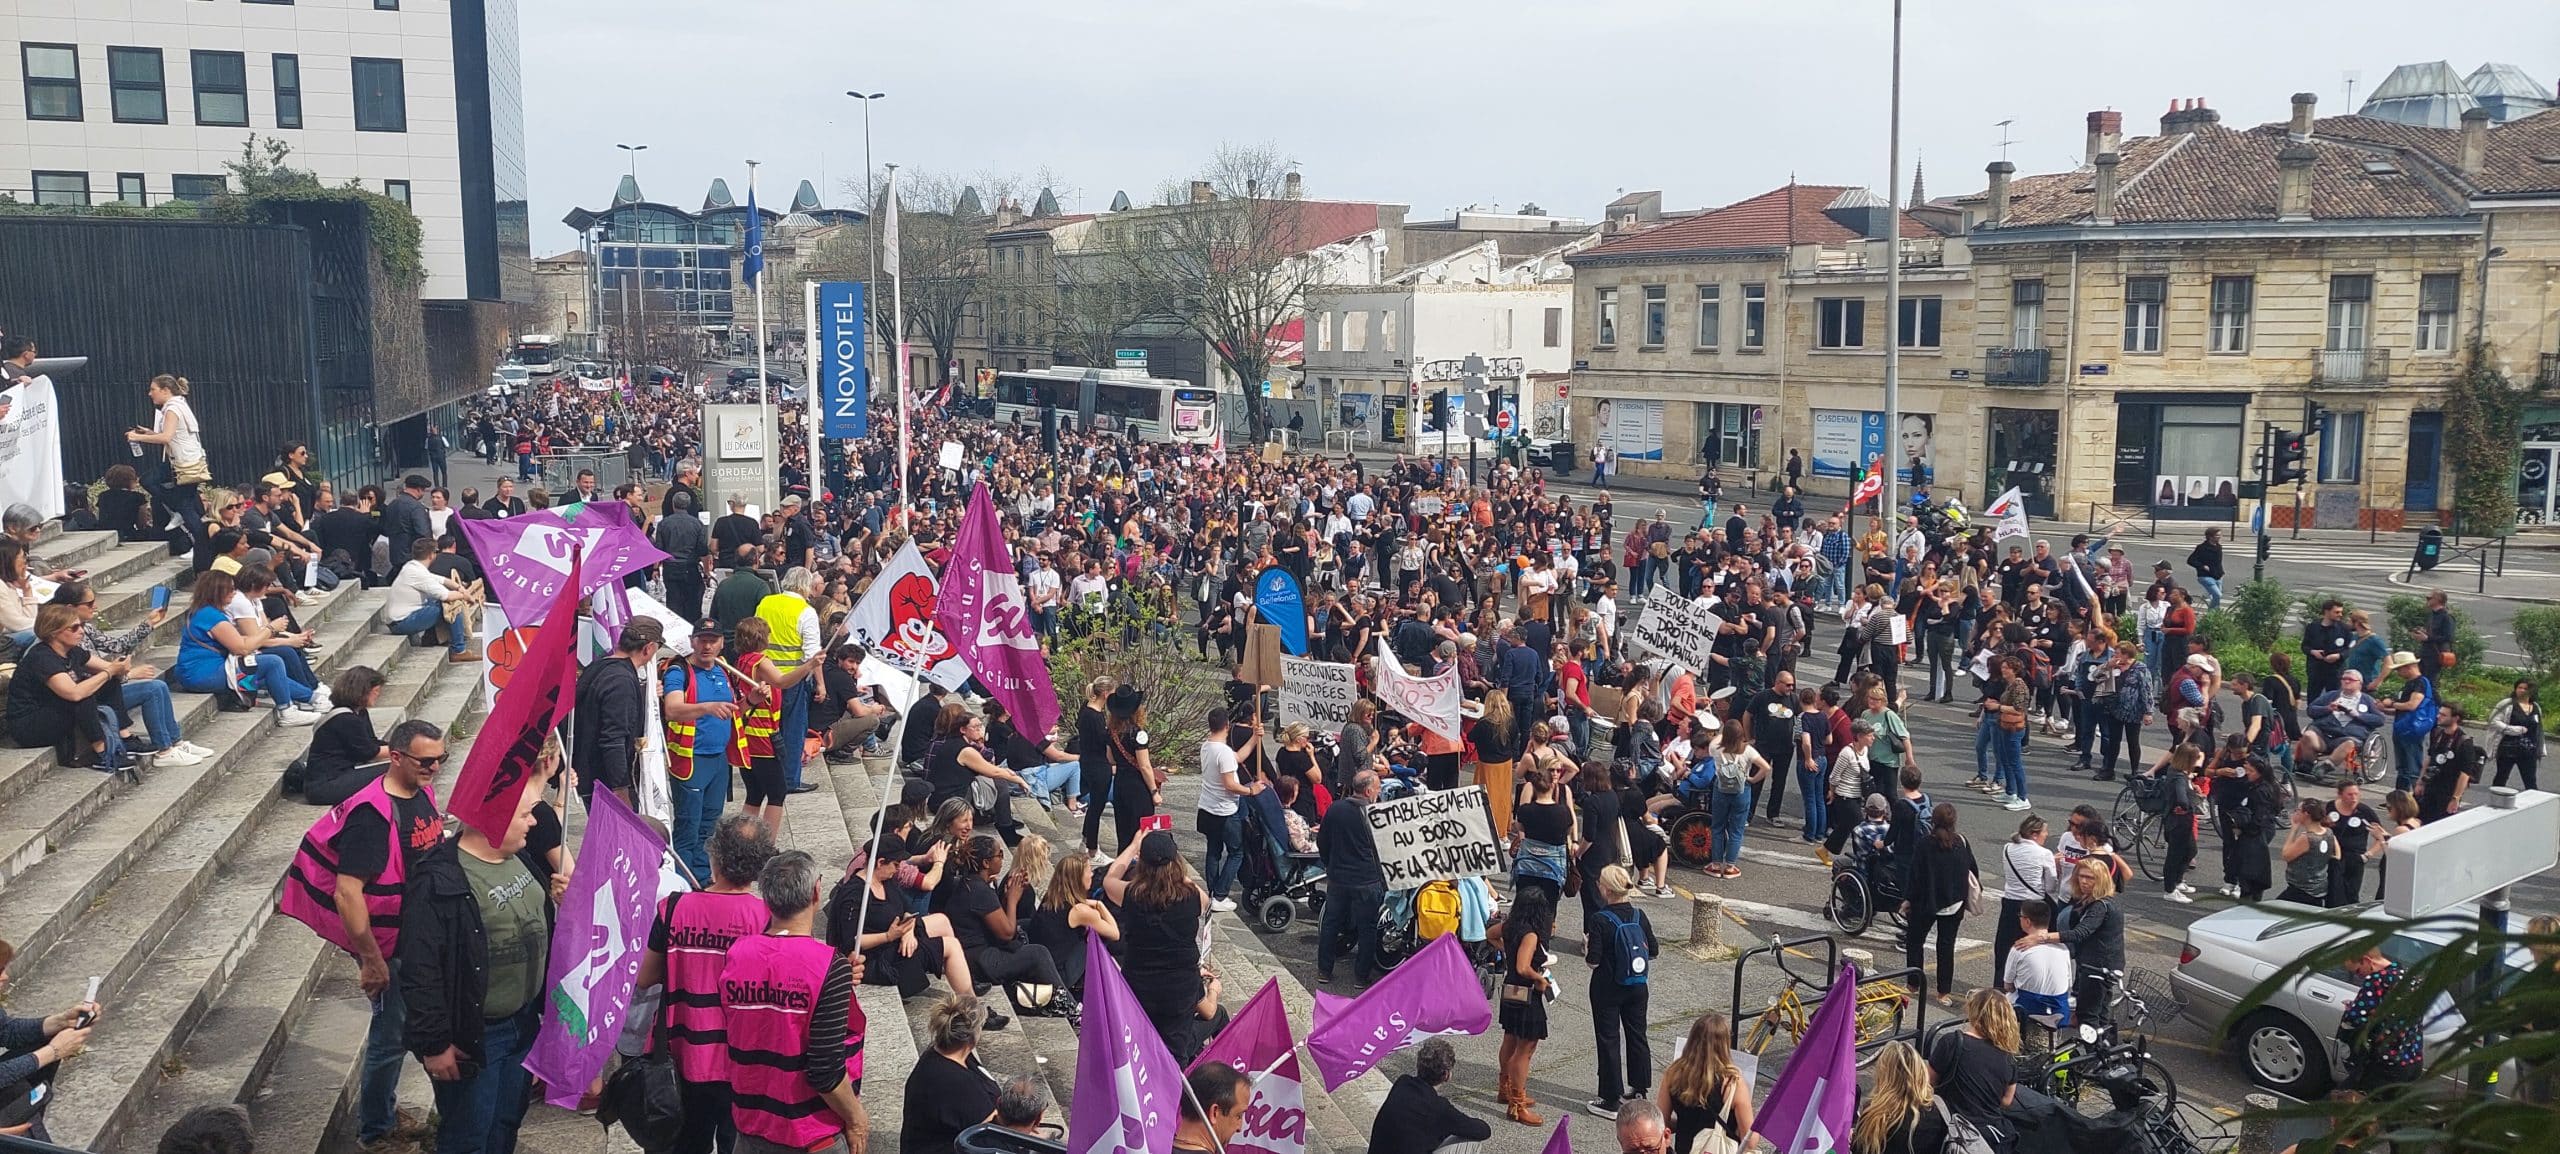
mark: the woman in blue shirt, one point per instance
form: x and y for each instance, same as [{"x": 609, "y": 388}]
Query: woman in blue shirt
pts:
[{"x": 212, "y": 637}]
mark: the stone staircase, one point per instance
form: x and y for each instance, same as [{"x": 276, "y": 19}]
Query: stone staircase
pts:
[{"x": 163, "y": 889}]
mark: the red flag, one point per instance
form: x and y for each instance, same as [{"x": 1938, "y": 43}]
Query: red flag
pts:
[
  {"x": 1869, "y": 485},
  {"x": 536, "y": 697}
]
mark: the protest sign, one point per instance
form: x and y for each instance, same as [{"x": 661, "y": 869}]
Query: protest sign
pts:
[
  {"x": 1430, "y": 702},
  {"x": 1438, "y": 836},
  {"x": 1316, "y": 693},
  {"x": 31, "y": 447},
  {"x": 1678, "y": 628}
]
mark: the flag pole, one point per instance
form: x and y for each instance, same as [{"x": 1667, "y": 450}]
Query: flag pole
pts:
[
  {"x": 810, "y": 353},
  {"x": 898, "y": 319},
  {"x": 879, "y": 822},
  {"x": 763, "y": 384}
]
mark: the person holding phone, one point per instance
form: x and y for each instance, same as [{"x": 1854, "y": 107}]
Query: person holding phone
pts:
[{"x": 37, "y": 1048}]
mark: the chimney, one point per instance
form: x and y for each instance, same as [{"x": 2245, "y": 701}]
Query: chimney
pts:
[
  {"x": 2475, "y": 140},
  {"x": 2303, "y": 104},
  {"x": 2106, "y": 130},
  {"x": 2103, "y": 211},
  {"x": 1005, "y": 213},
  {"x": 1291, "y": 188},
  {"x": 1999, "y": 210},
  {"x": 1201, "y": 193},
  {"x": 2293, "y": 181}
]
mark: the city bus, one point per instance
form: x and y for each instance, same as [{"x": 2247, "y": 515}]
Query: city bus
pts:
[
  {"x": 539, "y": 353},
  {"x": 1147, "y": 408}
]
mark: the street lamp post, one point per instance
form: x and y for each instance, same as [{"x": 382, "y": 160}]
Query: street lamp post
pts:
[
  {"x": 870, "y": 204},
  {"x": 642, "y": 316},
  {"x": 1893, "y": 294}
]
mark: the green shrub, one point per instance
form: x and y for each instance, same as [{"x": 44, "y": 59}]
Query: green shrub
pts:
[
  {"x": 2258, "y": 608},
  {"x": 2409, "y": 614},
  {"x": 2538, "y": 635}
]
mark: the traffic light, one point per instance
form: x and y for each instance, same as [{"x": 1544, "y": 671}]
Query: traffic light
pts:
[
  {"x": 1440, "y": 408},
  {"x": 2288, "y": 463}
]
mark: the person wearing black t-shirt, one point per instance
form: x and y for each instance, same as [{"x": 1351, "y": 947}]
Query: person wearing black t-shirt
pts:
[
  {"x": 364, "y": 846},
  {"x": 1093, "y": 758},
  {"x": 948, "y": 1091},
  {"x": 982, "y": 908},
  {"x": 1973, "y": 1075},
  {"x": 345, "y": 756}
]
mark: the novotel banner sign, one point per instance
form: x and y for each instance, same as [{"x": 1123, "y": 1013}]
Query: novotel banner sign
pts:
[{"x": 844, "y": 373}]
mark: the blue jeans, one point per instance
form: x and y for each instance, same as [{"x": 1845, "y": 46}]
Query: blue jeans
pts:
[
  {"x": 2152, "y": 642},
  {"x": 1986, "y": 734},
  {"x": 159, "y": 717},
  {"x": 1810, "y": 781},
  {"x": 481, "y": 1114},
  {"x": 697, "y": 806},
  {"x": 2010, "y": 746},
  {"x": 2212, "y": 592},
  {"x": 424, "y": 620},
  {"x": 791, "y": 741},
  {"x": 1048, "y": 778},
  {"x": 1226, "y": 850},
  {"x": 22, "y": 640},
  {"x": 2408, "y": 760},
  {"x": 378, "y": 1096},
  {"x": 275, "y": 680},
  {"x": 1354, "y": 910},
  {"x": 1728, "y": 811}
]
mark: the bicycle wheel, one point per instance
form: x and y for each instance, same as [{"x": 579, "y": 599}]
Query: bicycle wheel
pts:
[
  {"x": 2286, "y": 800},
  {"x": 1880, "y": 1016},
  {"x": 2150, "y": 842}
]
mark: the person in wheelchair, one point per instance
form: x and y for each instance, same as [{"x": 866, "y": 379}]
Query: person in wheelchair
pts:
[
  {"x": 1871, "y": 852},
  {"x": 2343, "y": 716}
]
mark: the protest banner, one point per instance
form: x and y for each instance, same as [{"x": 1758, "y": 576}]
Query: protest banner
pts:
[
  {"x": 1677, "y": 627},
  {"x": 1430, "y": 702},
  {"x": 1317, "y": 694},
  {"x": 596, "y": 944},
  {"x": 1442, "y": 835},
  {"x": 31, "y": 447}
]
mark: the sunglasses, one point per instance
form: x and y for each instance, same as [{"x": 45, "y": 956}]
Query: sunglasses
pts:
[{"x": 426, "y": 762}]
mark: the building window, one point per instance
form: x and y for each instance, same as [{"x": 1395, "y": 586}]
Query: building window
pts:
[
  {"x": 1324, "y": 332},
  {"x": 1605, "y": 332},
  {"x": 53, "y": 80},
  {"x": 2145, "y": 298},
  {"x": 288, "y": 70},
  {"x": 1657, "y": 315},
  {"x": 1843, "y": 323},
  {"x": 1502, "y": 332},
  {"x": 1387, "y": 319},
  {"x": 2341, "y": 447},
  {"x": 195, "y": 188},
  {"x": 1355, "y": 332},
  {"x": 382, "y": 103},
  {"x": 222, "y": 88},
  {"x": 1755, "y": 317},
  {"x": 1710, "y": 315},
  {"x": 2026, "y": 314},
  {"x": 1555, "y": 328},
  {"x": 386, "y": 5},
  {"x": 136, "y": 86},
  {"x": 2438, "y": 294},
  {"x": 62, "y": 188},
  {"x": 129, "y": 190},
  {"x": 2231, "y": 313},
  {"x": 2350, "y": 312},
  {"x": 397, "y": 190},
  {"x": 1919, "y": 328}
]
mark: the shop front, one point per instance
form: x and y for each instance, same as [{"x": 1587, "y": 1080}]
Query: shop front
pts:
[
  {"x": 2024, "y": 448},
  {"x": 2181, "y": 455},
  {"x": 2537, "y": 497}
]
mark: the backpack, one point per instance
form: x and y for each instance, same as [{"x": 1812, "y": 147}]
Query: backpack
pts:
[
  {"x": 1435, "y": 911},
  {"x": 2420, "y": 721},
  {"x": 1630, "y": 959},
  {"x": 1730, "y": 777},
  {"x": 2039, "y": 668}
]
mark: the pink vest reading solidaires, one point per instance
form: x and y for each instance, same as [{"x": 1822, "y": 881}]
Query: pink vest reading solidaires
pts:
[
  {"x": 701, "y": 928},
  {"x": 768, "y": 991},
  {"x": 311, "y": 883}
]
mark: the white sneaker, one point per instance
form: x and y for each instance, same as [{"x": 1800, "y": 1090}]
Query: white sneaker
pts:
[
  {"x": 2229, "y": 891},
  {"x": 2181, "y": 898},
  {"x": 2184, "y": 888},
  {"x": 320, "y": 698},
  {"x": 174, "y": 757},
  {"x": 294, "y": 718},
  {"x": 2018, "y": 803},
  {"x": 1223, "y": 905},
  {"x": 198, "y": 750}
]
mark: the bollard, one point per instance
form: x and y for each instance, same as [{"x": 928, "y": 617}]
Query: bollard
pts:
[
  {"x": 1706, "y": 922},
  {"x": 1864, "y": 959}
]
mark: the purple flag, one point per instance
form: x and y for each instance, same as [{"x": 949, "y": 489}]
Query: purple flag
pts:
[
  {"x": 1561, "y": 1142},
  {"x": 984, "y": 613},
  {"x": 1258, "y": 1042},
  {"x": 526, "y": 559},
  {"x": 602, "y": 930},
  {"x": 1436, "y": 992},
  {"x": 1815, "y": 1100},
  {"x": 1128, "y": 1087}
]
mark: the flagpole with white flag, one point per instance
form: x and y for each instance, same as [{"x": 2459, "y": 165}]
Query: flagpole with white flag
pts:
[
  {"x": 754, "y": 266},
  {"x": 898, "y": 322}
]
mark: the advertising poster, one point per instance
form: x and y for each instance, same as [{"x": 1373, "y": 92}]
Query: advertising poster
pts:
[
  {"x": 1632, "y": 429},
  {"x": 1357, "y": 408},
  {"x": 1835, "y": 443},
  {"x": 1399, "y": 414}
]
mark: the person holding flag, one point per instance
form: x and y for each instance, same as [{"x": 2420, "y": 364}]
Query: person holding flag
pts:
[{"x": 688, "y": 946}]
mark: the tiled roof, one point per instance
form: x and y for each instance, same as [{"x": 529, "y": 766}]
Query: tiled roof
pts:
[
  {"x": 2218, "y": 174},
  {"x": 2523, "y": 156},
  {"x": 1760, "y": 222}
]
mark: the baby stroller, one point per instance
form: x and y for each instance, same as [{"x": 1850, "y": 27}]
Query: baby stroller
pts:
[
  {"x": 1409, "y": 919},
  {"x": 1275, "y": 881}
]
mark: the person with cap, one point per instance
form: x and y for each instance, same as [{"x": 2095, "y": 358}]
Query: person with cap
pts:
[
  {"x": 405, "y": 519},
  {"x": 1137, "y": 786},
  {"x": 611, "y": 711},
  {"x": 2413, "y": 718},
  {"x": 1161, "y": 909},
  {"x": 2115, "y": 579},
  {"x": 797, "y": 534},
  {"x": 680, "y": 535},
  {"x": 704, "y": 740}
]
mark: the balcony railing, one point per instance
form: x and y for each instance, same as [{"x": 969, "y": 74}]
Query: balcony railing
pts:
[
  {"x": 2350, "y": 366},
  {"x": 2017, "y": 366},
  {"x": 2549, "y": 376}
]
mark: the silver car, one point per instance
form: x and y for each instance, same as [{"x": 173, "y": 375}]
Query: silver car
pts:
[{"x": 2291, "y": 1042}]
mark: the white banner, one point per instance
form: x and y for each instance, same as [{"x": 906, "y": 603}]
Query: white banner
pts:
[
  {"x": 1677, "y": 627},
  {"x": 657, "y": 795},
  {"x": 1431, "y": 702},
  {"x": 1317, "y": 693},
  {"x": 1438, "y": 836},
  {"x": 894, "y": 620},
  {"x": 2011, "y": 509},
  {"x": 31, "y": 447}
]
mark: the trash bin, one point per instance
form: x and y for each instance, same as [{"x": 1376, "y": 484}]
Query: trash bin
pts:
[
  {"x": 2430, "y": 548},
  {"x": 1560, "y": 458}
]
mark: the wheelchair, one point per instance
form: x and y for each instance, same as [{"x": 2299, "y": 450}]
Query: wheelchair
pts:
[{"x": 1860, "y": 890}]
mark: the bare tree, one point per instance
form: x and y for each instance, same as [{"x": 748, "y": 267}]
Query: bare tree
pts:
[
  {"x": 1225, "y": 258},
  {"x": 943, "y": 221},
  {"x": 1095, "y": 307}
]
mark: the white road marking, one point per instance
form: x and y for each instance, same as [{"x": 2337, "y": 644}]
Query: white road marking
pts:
[{"x": 1879, "y": 933}]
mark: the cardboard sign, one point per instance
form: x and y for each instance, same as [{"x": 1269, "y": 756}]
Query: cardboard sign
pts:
[
  {"x": 1438, "y": 836},
  {"x": 1678, "y": 628},
  {"x": 1318, "y": 694}
]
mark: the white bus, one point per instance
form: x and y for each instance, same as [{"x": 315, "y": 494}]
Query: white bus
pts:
[
  {"x": 1147, "y": 408},
  {"x": 539, "y": 353}
]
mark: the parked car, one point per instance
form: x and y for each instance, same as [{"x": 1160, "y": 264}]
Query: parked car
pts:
[
  {"x": 2291, "y": 1042},
  {"x": 589, "y": 369},
  {"x": 507, "y": 380}
]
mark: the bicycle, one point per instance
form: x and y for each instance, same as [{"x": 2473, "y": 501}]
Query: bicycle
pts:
[
  {"x": 2092, "y": 1066},
  {"x": 1878, "y": 1013},
  {"x": 2140, "y": 824}
]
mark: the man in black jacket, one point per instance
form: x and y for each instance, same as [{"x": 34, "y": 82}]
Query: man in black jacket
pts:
[
  {"x": 1354, "y": 886},
  {"x": 680, "y": 535},
  {"x": 505, "y": 504},
  {"x": 1415, "y": 1116},
  {"x": 612, "y": 711},
  {"x": 475, "y": 946},
  {"x": 405, "y": 519}
]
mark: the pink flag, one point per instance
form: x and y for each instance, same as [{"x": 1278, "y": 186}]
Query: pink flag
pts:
[
  {"x": 984, "y": 613},
  {"x": 1435, "y": 992},
  {"x": 1257, "y": 1042},
  {"x": 537, "y": 695},
  {"x": 1815, "y": 1099}
]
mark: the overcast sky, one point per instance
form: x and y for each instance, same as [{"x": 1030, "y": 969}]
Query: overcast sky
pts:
[{"x": 1432, "y": 103}]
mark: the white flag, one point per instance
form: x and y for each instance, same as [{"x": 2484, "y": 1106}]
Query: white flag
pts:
[
  {"x": 2011, "y": 509},
  {"x": 889, "y": 226},
  {"x": 1431, "y": 702},
  {"x": 894, "y": 620}
]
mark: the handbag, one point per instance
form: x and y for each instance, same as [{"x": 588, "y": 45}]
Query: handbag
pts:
[
  {"x": 644, "y": 1094},
  {"x": 195, "y": 472},
  {"x": 1572, "y": 878},
  {"x": 1715, "y": 1139}
]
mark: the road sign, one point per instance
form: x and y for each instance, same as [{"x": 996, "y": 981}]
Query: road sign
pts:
[
  {"x": 1132, "y": 360},
  {"x": 1564, "y": 390},
  {"x": 1502, "y": 420}
]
